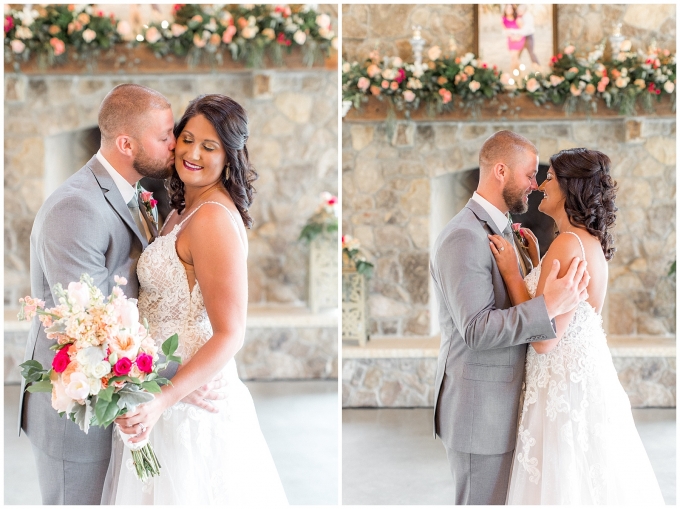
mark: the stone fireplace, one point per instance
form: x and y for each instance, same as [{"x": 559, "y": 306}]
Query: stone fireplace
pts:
[
  {"x": 51, "y": 131},
  {"x": 399, "y": 192}
]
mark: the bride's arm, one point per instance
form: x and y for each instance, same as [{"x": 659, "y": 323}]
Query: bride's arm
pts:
[
  {"x": 220, "y": 265},
  {"x": 506, "y": 259},
  {"x": 564, "y": 248}
]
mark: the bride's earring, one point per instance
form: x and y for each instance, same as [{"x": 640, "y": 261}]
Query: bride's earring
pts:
[{"x": 227, "y": 171}]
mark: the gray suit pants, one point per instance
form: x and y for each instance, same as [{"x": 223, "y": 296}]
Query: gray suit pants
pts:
[
  {"x": 481, "y": 479},
  {"x": 69, "y": 483}
]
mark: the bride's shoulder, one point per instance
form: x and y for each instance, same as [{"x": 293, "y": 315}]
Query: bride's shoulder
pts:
[
  {"x": 564, "y": 248},
  {"x": 215, "y": 221}
]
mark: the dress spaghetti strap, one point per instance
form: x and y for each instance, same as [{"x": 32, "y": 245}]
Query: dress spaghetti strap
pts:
[
  {"x": 581, "y": 243},
  {"x": 228, "y": 212}
]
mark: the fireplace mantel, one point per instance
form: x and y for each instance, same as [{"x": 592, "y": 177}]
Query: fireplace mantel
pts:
[
  {"x": 123, "y": 60},
  {"x": 502, "y": 109}
]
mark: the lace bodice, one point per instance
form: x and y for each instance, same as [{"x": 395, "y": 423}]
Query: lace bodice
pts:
[{"x": 164, "y": 296}]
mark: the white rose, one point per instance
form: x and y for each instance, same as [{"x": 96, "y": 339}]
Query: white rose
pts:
[
  {"x": 17, "y": 46},
  {"x": 467, "y": 58},
  {"x": 397, "y": 62},
  {"x": 152, "y": 35},
  {"x": 326, "y": 33},
  {"x": 323, "y": 20},
  {"x": 79, "y": 387},
  {"x": 505, "y": 78},
  {"x": 555, "y": 80},
  {"x": 409, "y": 96},
  {"x": 124, "y": 30},
  {"x": 95, "y": 386},
  {"x": 128, "y": 314},
  {"x": 669, "y": 87},
  {"x": 89, "y": 35},
  {"x": 335, "y": 43},
  {"x": 474, "y": 85},
  {"x": 626, "y": 45},
  {"x": 61, "y": 402},
  {"x": 100, "y": 370},
  {"x": 621, "y": 82},
  {"x": 346, "y": 67},
  {"x": 300, "y": 37},
  {"x": 79, "y": 293},
  {"x": 90, "y": 357},
  {"x": 23, "y": 32}
]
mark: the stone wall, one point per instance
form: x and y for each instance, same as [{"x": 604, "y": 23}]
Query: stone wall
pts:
[
  {"x": 393, "y": 383},
  {"x": 389, "y": 27},
  {"x": 387, "y": 206},
  {"x": 293, "y": 146}
]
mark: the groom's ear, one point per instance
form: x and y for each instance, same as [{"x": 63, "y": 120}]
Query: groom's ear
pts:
[
  {"x": 125, "y": 145},
  {"x": 500, "y": 171}
]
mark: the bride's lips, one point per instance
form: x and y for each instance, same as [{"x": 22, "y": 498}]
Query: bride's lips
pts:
[{"x": 190, "y": 166}]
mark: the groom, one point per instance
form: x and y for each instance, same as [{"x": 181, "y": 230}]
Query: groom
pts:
[
  {"x": 93, "y": 224},
  {"x": 480, "y": 369}
]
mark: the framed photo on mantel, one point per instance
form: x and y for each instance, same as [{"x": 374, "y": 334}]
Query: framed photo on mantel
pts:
[{"x": 516, "y": 37}]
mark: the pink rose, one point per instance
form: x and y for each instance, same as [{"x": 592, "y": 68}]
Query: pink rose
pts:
[
  {"x": 446, "y": 95},
  {"x": 58, "y": 45},
  {"x": 409, "y": 96},
  {"x": 146, "y": 195},
  {"x": 61, "y": 360},
  {"x": 145, "y": 363},
  {"x": 363, "y": 83},
  {"x": 401, "y": 76},
  {"x": 9, "y": 23},
  {"x": 122, "y": 367},
  {"x": 229, "y": 34},
  {"x": 153, "y": 203},
  {"x": 394, "y": 85},
  {"x": 385, "y": 84}
]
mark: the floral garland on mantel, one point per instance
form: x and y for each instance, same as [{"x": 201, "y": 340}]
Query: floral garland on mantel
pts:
[
  {"x": 442, "y": 82},
  {"x": 198, "y": 32}
]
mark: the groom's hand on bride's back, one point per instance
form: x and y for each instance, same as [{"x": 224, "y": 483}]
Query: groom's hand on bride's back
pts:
[
  {"x": 211, "y": 391},
  {"x": 563, "y": 294}
]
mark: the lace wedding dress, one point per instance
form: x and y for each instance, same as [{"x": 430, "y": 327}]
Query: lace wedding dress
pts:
[
  {"x": 205, "y": 458},
  {"x": 577, "y": 443}
]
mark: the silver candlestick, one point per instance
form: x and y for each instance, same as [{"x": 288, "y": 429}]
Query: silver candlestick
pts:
[
  {"x": 417, "y": 45},
  {"x": 616, "y": 39}
]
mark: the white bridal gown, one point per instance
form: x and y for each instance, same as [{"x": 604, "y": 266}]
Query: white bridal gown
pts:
[
  {"x": 205, "y": 458},
  {"x": 577, "y": 443}
]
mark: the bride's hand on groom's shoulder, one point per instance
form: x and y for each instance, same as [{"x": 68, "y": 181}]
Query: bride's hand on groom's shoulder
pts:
[{"x": 504, "y": 253}]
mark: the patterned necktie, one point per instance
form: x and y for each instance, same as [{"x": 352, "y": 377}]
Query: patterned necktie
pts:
[
  {"x": 133, "y": 205},
  {"x": 510, "y": 237}
]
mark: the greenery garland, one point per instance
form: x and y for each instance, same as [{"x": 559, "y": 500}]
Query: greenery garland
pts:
[
  {"x": 442, "y": 83},
  {"x": 53, "y": 33}
]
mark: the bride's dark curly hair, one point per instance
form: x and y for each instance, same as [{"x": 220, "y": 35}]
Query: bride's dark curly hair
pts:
[
  {"x": 589, "y": 191},
  {"x": 231, "y": 123}
]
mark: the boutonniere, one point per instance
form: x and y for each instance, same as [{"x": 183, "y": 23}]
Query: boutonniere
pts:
[
  {"x": 517, "y": 230},
  {"x": 150, "y": 205}
]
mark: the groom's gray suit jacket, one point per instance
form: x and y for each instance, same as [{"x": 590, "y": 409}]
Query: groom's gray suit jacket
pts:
[
  {"x": 480, "y": 369},
  {"x": 83, "y": 227}
]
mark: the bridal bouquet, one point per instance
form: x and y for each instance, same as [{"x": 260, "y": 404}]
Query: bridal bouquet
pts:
[{"x": 106, "y": 363}]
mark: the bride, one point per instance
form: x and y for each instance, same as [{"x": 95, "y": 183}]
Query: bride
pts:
[
  {"x": 193, "y": 281},
  {"x": 577, "y": 443}
]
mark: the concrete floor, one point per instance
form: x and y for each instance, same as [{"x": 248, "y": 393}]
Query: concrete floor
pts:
[
  {"x": 390, "y": 457},
  {"x": 299, "y": 419}
]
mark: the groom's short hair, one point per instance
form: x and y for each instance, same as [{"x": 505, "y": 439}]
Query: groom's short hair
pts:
[
  {"x": 123, "y": 110},
  {"x": 503, "y": 147}
]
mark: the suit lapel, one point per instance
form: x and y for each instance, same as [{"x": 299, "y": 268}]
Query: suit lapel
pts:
[
  {"x": 114, "y": 197},
  {"x": 483, "y": 215}
]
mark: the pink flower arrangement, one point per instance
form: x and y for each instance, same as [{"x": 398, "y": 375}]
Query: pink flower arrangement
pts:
[{"x": 9, "y": 23}]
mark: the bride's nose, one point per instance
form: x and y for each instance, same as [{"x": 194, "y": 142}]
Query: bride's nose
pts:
[{"x": 542, "y": 186}]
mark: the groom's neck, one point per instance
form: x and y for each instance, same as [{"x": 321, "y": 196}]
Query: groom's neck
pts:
[
  {"x": 494, "y": 197},
  {"x": 121, "y": 163}
]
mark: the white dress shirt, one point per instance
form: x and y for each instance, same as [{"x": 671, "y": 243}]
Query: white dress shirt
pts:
[
  {"x": 500, "y": 219},
  {"x": 127, "y": 191}
]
